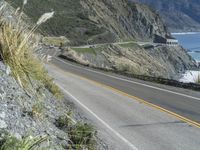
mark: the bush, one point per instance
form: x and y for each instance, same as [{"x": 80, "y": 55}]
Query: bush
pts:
[
  {"x": 8, "y": 142},
  {"x": 82, "y": 136},
  {"x": 63, "y": 122}
]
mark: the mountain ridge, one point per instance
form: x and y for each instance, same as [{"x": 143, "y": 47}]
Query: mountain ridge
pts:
[
  {"x": 92, "y": 21},
  {"x": 179, "y": 15}
]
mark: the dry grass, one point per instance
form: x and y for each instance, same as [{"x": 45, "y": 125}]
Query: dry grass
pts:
[{"x": 17, "y": 52}]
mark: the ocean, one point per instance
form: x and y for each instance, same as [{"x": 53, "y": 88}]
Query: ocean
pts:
[{"x": 191, "y": 42}]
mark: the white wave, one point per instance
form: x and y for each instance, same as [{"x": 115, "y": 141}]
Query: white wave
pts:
[{"x": 190, "y": 77}]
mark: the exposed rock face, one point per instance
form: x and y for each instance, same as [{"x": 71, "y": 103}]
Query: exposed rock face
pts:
[
  {"x": 161, "y": 61},
  {"x": 24, "y": 114},
  {"x": 179, "y": 15},
  {"x": 16, "y": 111},
  {"x": 125, "y": 20}
]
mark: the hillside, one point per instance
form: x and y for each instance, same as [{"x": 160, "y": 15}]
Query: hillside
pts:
[
  {"x": 96, "y": 21},
  {"x": 179, "y": 15},
  {"x": 86, "y": 22}
]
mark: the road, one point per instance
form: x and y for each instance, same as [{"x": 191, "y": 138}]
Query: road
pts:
[
  {"x": 132, "y": 114},
  {"x": 117, "y": 43}
]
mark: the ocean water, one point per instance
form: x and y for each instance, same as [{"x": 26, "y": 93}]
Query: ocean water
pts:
[{"x": 190, "y": 41}]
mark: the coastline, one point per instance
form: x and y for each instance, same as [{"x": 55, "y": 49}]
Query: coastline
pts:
[
  {"x": 185, "y": 33},
  {"x": 190, "y": 76}
]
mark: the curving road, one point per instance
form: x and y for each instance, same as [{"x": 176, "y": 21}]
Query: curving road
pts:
[{"x": 130, "y": 113}]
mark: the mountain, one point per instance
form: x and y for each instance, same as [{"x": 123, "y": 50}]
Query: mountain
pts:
[
  {"x": 89, "y": 22},
  {"x": 179, "y": 15},
  {"x": 96, "y": 21}
]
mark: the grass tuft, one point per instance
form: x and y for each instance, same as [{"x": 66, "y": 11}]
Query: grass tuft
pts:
[
  {"x": 17, "y": 52},
  {"x": 82, "y": 136},
  {"x": 28, "y": 143}
]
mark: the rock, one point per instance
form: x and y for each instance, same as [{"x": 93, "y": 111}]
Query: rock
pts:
[
  {"x": 2, "y": 115},
  {"x": 8, "y": 70},
  {"x": 18, "y": 136},
  {"x": 3, "y": 125},
  {"x": 2, "y": 93}
]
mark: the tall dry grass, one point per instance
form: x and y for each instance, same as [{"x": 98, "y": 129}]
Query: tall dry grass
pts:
[{"x": 17, "y": 51}]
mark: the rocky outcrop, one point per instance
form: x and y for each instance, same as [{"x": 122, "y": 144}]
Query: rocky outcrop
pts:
[
  {"x": 159, "y": 61},
  {"x": 125, "y": 20}
]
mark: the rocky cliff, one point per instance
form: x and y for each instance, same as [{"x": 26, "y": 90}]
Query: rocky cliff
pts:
[
  {"x": 160, "y": 61},
  {"x": 179, "y": 15}
]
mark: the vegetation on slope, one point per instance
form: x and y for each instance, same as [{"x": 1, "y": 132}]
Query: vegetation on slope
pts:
[
  {"x": 8, "y": 142},
  {"x": 70, "y": 19},
  {"x": 96, "y": 21},
  {"x": 18, "y": 53},
  {"x": 82, "y": 135}
]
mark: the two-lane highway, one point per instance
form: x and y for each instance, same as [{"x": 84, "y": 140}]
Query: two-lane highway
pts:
[
  {"x": 181, "y": 101},
  {"x": 136, "y": 114}
]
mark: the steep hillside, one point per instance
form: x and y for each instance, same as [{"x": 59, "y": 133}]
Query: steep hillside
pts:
[
  {"x": 180, "y": 15},
  {"x": 86, "y": 22},
  {"x": 96, "y": 21},
  {"x": 160, "y": 61}
]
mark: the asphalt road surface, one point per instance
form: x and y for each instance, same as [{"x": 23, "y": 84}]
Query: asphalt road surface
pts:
[{"x": 130, "y": 113}]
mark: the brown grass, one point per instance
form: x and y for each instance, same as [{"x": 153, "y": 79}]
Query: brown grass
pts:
[{"x": 17, "y": 52}]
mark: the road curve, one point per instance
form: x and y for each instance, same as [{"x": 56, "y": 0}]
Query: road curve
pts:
[{"x": 135, "y": 114}]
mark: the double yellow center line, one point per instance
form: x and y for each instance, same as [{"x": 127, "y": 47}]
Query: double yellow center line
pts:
[{"x": 184, "y": 119}]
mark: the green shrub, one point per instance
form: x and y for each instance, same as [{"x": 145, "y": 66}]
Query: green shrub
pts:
[
  {"x": 28, "y": 143},
  {"x": 63, "y": 122},
  {"x": 82, "y": 136}
]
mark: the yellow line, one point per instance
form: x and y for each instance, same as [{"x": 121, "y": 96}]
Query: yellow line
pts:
[{"x": 184, "y": 119}]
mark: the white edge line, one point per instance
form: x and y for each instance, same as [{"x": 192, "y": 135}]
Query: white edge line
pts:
[
  {"x": 99, "y": 119},
  {"x": 153, "y": 87}
]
